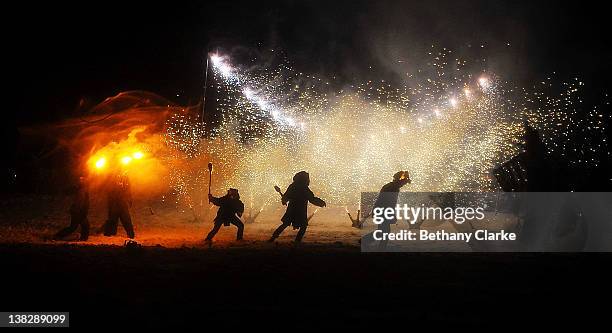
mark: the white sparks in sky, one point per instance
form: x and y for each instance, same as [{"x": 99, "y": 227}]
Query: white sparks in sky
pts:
[
  {"x": 221, "y": 64},
  {"x": 449, "y": 130}
]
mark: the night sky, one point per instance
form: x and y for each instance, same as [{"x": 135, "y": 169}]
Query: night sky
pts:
[{"x": 60, "y": 55}]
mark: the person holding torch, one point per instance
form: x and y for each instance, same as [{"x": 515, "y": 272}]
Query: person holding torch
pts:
[
  {"x": 230, "y": 205},
  {"x": 297, "y": 197},
  {"x": 387, "y": 198}
]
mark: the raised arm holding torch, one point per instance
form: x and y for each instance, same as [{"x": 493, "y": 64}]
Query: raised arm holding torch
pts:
[
  {"x": 210, "y": 170},
  {"x": 277, "y": 189}
]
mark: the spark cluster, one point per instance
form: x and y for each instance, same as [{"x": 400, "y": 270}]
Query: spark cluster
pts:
[{"x": 450, "y": 130}]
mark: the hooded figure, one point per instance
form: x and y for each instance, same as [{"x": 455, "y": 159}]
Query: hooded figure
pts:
[
  {"x": 297, "y": 197},
  {"x": 119, "y": 203},
  {"x": 229, "y": 206},
  {"x": 78, "y": 213},
  {"x": 539, "y": 171}
]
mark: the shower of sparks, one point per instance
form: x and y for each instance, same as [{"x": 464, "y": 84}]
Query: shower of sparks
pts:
[
  {"x": 255, "y": 96},
  {"x": 449, "y": 131}
]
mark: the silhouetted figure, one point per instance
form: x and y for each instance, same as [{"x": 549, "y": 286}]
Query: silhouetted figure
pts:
[
  {"x": 533, "y": 170},
  {"x": 297, "y": 196},
  {"x": 387, "y": 198},
  {"x": 529, "y": 171},
  {"x": 539, "y": 172},
  {"x": 229, "y": 206},
  {"x": 78, "y": 213},
  {"x": 119, "y": 203}
]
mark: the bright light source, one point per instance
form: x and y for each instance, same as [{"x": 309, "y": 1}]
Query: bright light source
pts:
[
  {"x": 290, "y": 121},
  {"x": 219, "y": 63},
  {"x": 101, "y": 163},
  {"x": 483, "y": 82},
  {"x": 138, "y": 155},
  {"x": 126, "y": 160},
  {"x": 216, "y": 59},
  {"x": 248, "y": 93}
]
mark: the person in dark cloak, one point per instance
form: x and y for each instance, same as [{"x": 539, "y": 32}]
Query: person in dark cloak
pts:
[
  {"x": 229, "y": 206},
  {"x": 119, "y": 203},
  {"x": 78, "y": 213},
  {"x": 297, "y": 197},
  {"x": 537, "y": 165}
]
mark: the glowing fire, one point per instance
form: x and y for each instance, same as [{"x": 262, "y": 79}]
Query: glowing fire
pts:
[
  {"x": 100, "y": 163},
  {"x": 126, "y": 160},
  {"x": 140, "y": 155}
]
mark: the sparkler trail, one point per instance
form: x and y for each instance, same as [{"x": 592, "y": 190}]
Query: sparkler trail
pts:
[
  {"x": 257, "y": 98},
  {"x": 449, "y": 130}
]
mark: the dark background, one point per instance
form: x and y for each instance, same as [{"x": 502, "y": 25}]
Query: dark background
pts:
[
  {"x": 56, "y": 55},
  {"x": 61, "y": 58},
  {"x": 317, "y": 286}
]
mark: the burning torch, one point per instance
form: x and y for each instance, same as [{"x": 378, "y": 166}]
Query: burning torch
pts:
[
  {"x": 277, "y": 189},
  {"x": 210, "y": 170}
]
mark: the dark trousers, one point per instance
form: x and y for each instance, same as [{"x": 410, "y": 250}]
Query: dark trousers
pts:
[
  {"x": 368, "y": 239},
  {"x": 282, "y": 227},
  {"x": 76, "y": 220},
  {"x": 386, "y": 228},
  {"x": 218, "y": 225},
  {"x": 114, "y": 215}
]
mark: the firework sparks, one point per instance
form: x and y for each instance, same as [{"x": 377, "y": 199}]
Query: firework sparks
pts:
[
  {"x": 450, "y": 131},
  {"x": 257, "y": 98}
]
